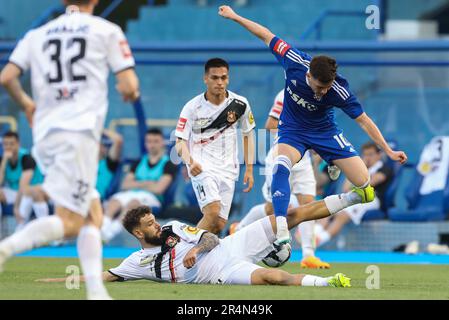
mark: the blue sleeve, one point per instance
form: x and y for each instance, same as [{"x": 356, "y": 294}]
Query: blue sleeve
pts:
[
  {"x": 345, "y": 99},
  {"x": 288, "y": 56}
]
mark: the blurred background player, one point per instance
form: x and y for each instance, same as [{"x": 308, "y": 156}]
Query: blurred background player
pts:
[
  {"x": 110, "y": 155},
  {"x": 145, "y": 184},
  {"x": 303, "y": 185},
  {"x": 313, "y": 88},
  {"x": 207, "y": 144},
  {"x": 19, "y": 176},
  {"x": 70, "y": 58},
  {"x": 381, "y": 176}
]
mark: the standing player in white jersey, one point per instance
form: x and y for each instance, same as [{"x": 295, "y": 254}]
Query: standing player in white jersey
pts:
[
  {"x": 69, "y": 58},
  {"x": 207, "y": 143},
  {"x": 303, "y": 186}
]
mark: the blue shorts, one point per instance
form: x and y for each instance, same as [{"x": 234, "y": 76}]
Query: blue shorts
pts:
[{"x": 330, "y": 145}]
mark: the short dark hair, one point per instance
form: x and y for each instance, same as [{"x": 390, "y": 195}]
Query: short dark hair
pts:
[
  {"x": 370, "y": 145},
  {"x": 77, "y": 2},
  {"x": 323, "y": 68},
  {"x": 215, "y": 63},
  {"x": 11, "y": 134},
  {"x": 133, "y": 216},
  {"x": 155, "y": 131}
]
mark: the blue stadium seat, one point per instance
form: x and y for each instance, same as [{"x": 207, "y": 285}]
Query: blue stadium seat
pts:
[{"x": 429, "y": 207}]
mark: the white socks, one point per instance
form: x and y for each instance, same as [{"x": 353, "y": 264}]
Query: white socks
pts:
[
  {"x": 336, "y": 203},
  {"x": 35, "y": 234},
  {"x": 25, "y": 207},
  {"x": 256, "y": 213},
  {"x": 40, "y": 209},
  {"x": 90, "y": 254},
  {"x": 314, "y": 281},
  {"x": 307, "y": 238},
  {"x": 321, "y": 235}
]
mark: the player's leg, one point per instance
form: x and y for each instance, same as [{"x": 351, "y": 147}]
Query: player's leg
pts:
[
  {"x": 211, "y": 195},
  {"x": 285, "y": 157},
  {"x": 334, "y": 228},
  {"x": 112, "y": 228},
  {"x": 255, "y": 213},
  {"x": 355, "y": 170},
  {"x": 25, "y": 208},
  {"x": 90, "y": 252},
  {"x": 40, "y": 199},
  {"x": 264, "y": 276}
]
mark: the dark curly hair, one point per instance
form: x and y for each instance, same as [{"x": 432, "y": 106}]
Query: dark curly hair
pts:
[{"x": 133, "y": 216}]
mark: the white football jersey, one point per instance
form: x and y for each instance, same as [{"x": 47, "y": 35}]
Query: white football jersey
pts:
[
  {"x": 278, "y": 105},
  {"x": 70, "y": 58},
  {"x": 213, "y": 143},
  {"x": 164, "y": 263}
]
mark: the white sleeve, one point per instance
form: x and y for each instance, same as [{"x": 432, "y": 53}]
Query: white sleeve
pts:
[
  {"x": 21, "y": 54},
  {"x": 278, "y": 105},
  {"x": 247, "y": 122},
  {"x": 188, "y": 233},
  {"x": 184, "y": 126},
  {"x": 127, "y": 270},
  {"x": 119, "y": 53}
]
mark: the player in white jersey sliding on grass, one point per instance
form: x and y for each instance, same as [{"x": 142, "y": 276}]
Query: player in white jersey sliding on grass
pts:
[
  {"x": 303, "y": 186},
  {"x": 179, "y": 253},
  {"x": 70, "y": 58},
  {"x": 207, "y": 134}
]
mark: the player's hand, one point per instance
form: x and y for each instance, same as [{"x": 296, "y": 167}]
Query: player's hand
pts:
[
  {"x": 7, "y": 155},
  {"x": 248, "y": 179},
  {"x": 195, "y": 168},
  {"x": 29, "y": 108},
  {"x": 227, "y": 12},
  {"x": 398, "y": 156},
  {"x": 190, "y": 258}
]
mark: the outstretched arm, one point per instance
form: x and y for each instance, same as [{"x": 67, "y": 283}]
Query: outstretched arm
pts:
[
  {"x": 258, "y": 30},
  {"x": 374, "y": 133}
]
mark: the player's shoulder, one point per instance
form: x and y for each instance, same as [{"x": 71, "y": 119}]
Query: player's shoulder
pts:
[
  {"x": 340, "y": 88},
  {"x": 195, "y": 101},
  {"x": 104, "y": 24},
  {"x": 234, "y": 95}
]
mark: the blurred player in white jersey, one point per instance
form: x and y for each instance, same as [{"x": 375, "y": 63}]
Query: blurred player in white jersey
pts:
[
  {"x": 69, "y": 58},
  {"x": 303, "y": 184},
  {"x": 207, "y": 142}
]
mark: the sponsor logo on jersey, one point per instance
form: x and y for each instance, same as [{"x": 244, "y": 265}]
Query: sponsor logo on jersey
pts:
[
  {"x": 232, "y": 117},
  {"x": 147, "y": 260},
  {"x": 191, "y": 230},
  {"x": 65, "y": 94},
  {"x": 201, "y": 122},
  {"x": 300, "y": 101},
  {"x": 181, "y": 124},
  {"x": 281, "y": 47}
]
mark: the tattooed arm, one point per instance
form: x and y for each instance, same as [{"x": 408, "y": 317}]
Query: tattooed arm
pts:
[{"x": 207, "y": 243}]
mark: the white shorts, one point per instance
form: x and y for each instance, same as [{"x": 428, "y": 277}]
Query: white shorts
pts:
[
  {"x": 234, "y": 259},
  {"x": 146, "y": 198},
  {"x": 10, "y": 195},
  {"x": 210, "y": 188},
  {"x": 302, "y": 178},
  {"x": 69, "y": 160},
  {"x": 356, "y": 212}
]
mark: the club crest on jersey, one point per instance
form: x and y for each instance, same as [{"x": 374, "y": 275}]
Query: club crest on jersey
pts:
[
  {"x": 171, "y": 241},
  {"x": 65, "y": 94},
  {"x": 232, "y": 117}
]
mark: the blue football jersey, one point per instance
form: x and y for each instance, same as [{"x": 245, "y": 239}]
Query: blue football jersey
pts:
[{"x": 301, "y": 109}]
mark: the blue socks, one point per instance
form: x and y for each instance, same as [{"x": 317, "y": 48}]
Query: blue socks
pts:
[{"x": 280, "y": 186}]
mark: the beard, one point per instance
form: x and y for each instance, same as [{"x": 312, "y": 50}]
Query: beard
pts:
[{"x": 155, "y": 241}]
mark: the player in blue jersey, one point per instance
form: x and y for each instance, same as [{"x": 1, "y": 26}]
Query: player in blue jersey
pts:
[{"x": 312, "y": 89}]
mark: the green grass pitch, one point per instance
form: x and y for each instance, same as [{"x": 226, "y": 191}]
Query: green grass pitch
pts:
[{"x": 396, "y": 282}]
